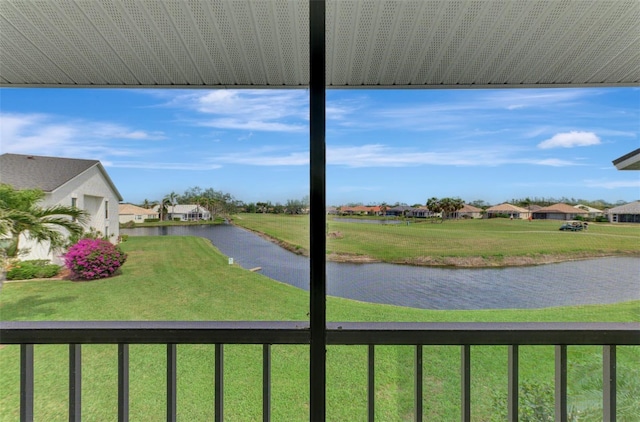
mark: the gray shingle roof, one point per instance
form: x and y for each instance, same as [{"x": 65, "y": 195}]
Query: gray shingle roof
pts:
[
  {"x": 45, "y": 173},
  {"x": 630, "y": 208}
]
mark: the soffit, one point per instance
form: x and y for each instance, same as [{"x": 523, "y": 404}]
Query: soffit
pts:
[{"x": 409, "y": 43}]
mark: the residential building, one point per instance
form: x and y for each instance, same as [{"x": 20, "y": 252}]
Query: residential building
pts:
[
  {"x": 592, "y": 212},
  {"x": 360, "y": 210},
  {"x": 81, "y": 183},
  {"x": 514, "y": 212},
  {"x": 423, "y": 212},
  {"x": 186, "y": 212},
  {"x": 628, "y": 213},
  {"x": 130, "y": 212},
  {"x": 468, "y": 211},
  {"x": 560, "y": 211},
  {"x": 400, "y": 211}
]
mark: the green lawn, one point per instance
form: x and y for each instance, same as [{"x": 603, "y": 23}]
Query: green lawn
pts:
[
  {"x": 493, "y": 240},
  {"x": 186, "y": 278}
]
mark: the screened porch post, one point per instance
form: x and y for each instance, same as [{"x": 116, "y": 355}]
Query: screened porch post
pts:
[{"x": 317, "y": 290}]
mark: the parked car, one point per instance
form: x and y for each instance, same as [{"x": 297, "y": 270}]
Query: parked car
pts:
[{"x": 573, "y": 226}]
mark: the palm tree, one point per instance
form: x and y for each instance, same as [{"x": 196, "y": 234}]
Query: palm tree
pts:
[
  {"x": 456, "y": 205},
  {"x": 172, "y": 199},
  {"x": 162, "y": 208},
  {"x": 434, "y": 205},
  {"x": 20, "y": 215},
  {"x": 383, "y": 209}
]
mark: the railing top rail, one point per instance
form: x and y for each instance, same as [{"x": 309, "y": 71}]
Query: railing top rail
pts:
[
  {"x": 338, "y": 333},
  {"x": 485, "y": 333}
]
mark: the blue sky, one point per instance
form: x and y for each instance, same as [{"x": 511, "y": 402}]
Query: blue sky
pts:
[{"x": 382, "y": 146}]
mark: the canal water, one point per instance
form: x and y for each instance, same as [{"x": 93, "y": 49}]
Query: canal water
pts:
[{"x": 595, "y": 281}]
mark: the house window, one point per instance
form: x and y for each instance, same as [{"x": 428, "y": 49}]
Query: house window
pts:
[
  {"x": 74, "y": 204},
  {"x": 106, "y": 209}
]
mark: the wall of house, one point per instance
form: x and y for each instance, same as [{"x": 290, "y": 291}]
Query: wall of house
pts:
[
  {"x": 93, "y": 194},
  {"x": 125, "y": 218},
  {"x": 624, "y": 218}
]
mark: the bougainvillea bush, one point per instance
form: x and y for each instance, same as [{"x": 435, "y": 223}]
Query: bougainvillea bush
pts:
[{"x": 91, "y": 259}]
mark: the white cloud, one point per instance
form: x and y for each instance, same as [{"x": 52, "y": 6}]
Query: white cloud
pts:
[
  {"x": 257, "y": 125},
  {"x": 552, "y": 162},
  {"x": 257, "y": 110},
  {"x": 535, "y": 98},
  {"x": 378, "y": 155},
  {"x": 570, "y": 140},
  {"x": 616, "y": 184},
  {"x": 162, "y": 166},
  {"x": 265, "y": 157},
  {"x": 51, "y": 135}
]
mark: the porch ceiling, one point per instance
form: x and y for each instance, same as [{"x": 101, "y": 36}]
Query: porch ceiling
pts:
[{"x": 244, "y": 43}]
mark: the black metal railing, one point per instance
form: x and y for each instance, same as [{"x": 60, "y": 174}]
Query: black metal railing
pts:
[{"x": 171, "y": 333}]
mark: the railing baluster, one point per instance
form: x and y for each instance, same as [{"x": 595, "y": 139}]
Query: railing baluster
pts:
[
  {"x": 219, "y": 383},
  {"x": 75, "y": 382},
  {"x": 609, "y": 383},
  {"x": 561, "y": 383},
  {"x": 123, "y": 382},
  {"x": 266, "y": 382},
  {"x": 465, "y": 381},
  {"x": 418, "y": 384},
  {"x": 512, "y": 411},
  {"x": 26, "y": 382},
  {"x": 371, "y": 383},
  {"x": 172, "y": 378}
]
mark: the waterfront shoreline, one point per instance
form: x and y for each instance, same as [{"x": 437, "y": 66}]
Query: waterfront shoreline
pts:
[{"x": 453, "y": 261}]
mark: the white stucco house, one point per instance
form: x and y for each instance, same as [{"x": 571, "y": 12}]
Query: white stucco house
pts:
[
  {"x": 560, "y": 211},
  {"x": 130, "y": 212},
  {"x": 512, "y": 211},
  {"x": 186, "y": 212},
  {"x": 593, "y": 212},
  {"x": 84, "y": 184}
]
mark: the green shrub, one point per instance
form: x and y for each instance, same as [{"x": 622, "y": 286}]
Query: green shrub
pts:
[
  {"x": 128, "y": 225},
  {"x": 151, "y": 220},
  {"x": 91, "y": 259},
  {"x": 26, "y": 270}
]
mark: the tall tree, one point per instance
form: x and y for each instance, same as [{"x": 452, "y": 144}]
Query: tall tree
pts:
[
  {"x": 162, "y": 209},
  {"x": 434, "y": 205},
  {"x": 172, "y": 199},
  {"x": 146, "y": 204},
  {"x": 20, "y": 214}
]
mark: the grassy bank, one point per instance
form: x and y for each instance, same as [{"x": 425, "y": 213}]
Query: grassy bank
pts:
[
  {"x": 132, "y": 225},
  {"x": 186, "y": 278},
  {"x": 472, "y": 243}
]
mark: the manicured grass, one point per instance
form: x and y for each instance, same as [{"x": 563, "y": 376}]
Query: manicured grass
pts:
[
  {"x": 186, "y": 278},
  {"x": 494, "y": 239}
]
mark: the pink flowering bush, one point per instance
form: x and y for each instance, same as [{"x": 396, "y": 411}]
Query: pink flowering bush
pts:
[{"x": 91, "y": 259}]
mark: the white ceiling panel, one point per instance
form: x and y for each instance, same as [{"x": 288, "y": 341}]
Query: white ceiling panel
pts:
[{"x": 265, "y": 43}]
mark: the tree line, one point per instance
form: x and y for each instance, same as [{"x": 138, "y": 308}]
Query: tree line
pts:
[{"x": 217, "y": 203}]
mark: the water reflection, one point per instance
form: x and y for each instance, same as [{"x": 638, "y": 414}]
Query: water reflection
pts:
[{"x": 597, "y": 281}]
